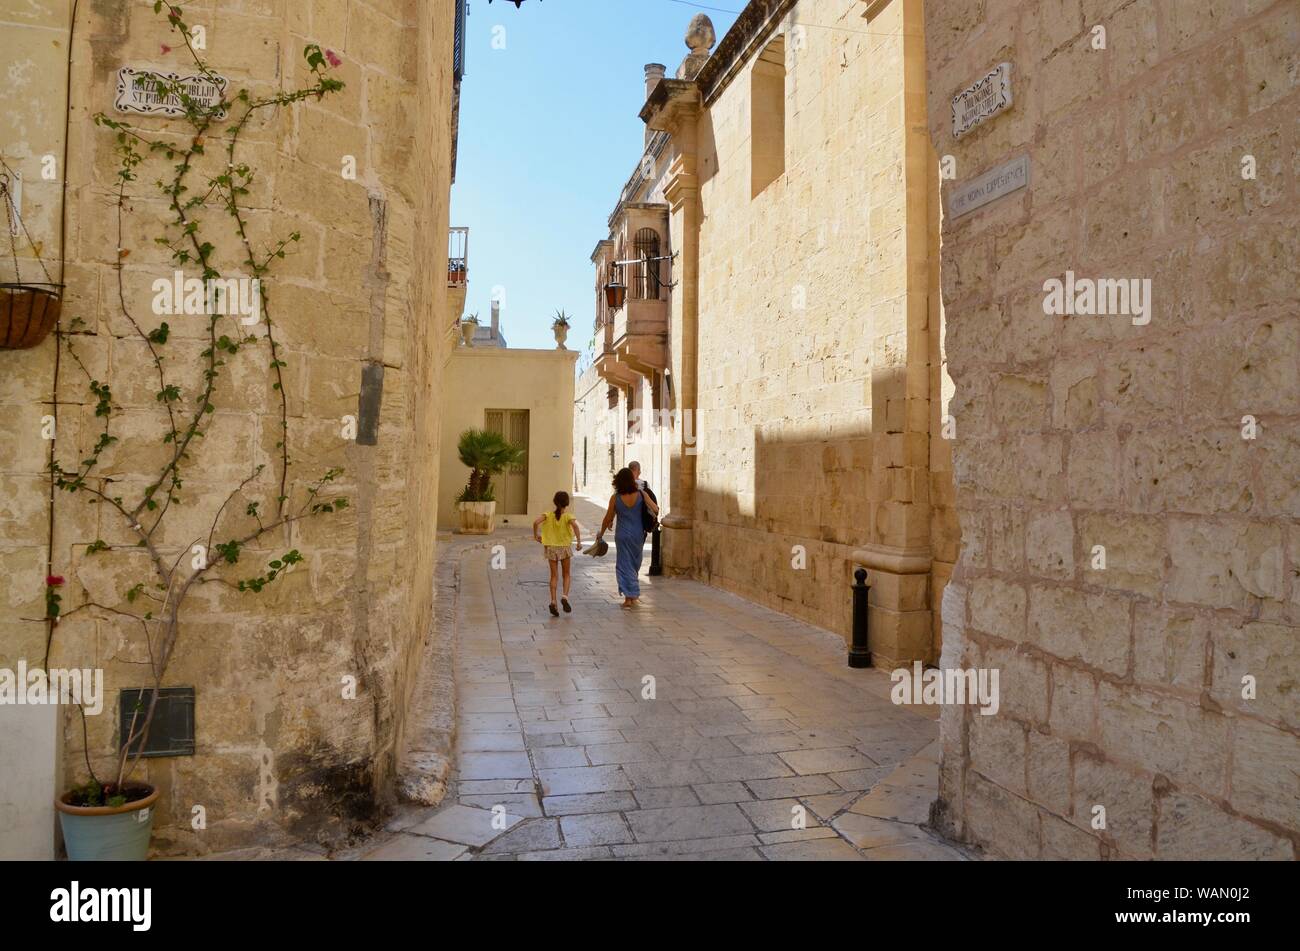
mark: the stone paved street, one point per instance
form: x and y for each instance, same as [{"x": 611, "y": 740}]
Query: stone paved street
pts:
[{"x": 756, "y": 720}]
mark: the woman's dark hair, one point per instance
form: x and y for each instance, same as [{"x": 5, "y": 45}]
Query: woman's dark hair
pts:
[
  {"x": 561, "y": 501},
  {"x": 625, "y": 482}
]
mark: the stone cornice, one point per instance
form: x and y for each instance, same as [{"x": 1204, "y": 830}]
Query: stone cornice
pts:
[
  {"x": 667, "y": 102},
  {"x": 750, "y": 31}
]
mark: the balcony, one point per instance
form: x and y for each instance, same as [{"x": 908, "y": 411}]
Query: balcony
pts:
[
  {"x": 635, "y": 335},
  {"x": 613, "y": 369},
  {"x": 457, "y": 257},
  {"x": 639, "y": 334},
  {"x": 457, "y": 271}
]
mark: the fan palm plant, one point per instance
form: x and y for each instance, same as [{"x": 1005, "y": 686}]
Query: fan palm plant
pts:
[{"x": 486, "y": 453}]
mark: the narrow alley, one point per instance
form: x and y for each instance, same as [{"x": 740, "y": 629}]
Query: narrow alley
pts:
[{"x": 756, "y": 743}]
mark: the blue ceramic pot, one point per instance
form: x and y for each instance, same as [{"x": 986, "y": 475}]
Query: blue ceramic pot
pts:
[{"x": 108, "y": 833}]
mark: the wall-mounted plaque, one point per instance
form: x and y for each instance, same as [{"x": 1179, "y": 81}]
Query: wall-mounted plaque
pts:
[
  {"x": 981, "y": 100},
  {"x": 139, "y": 90},
  {"x": 993, "y": 184}
]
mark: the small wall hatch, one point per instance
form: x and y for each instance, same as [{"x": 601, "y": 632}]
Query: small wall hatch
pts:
[{"x": 172, "y": 730}]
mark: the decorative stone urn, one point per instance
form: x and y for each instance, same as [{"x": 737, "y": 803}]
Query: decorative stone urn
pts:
[
  {"x": 561, "y": 335},
  {"x": 467, "y": 328},
  {"x": 477, "y": 518}
]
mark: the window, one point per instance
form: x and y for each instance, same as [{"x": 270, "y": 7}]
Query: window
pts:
[
  {"x": 767, "y": 117},
  {"x": 645, "y": 274}
]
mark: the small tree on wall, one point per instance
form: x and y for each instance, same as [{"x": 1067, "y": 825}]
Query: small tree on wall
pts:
[{"x": 199, "y": 190}]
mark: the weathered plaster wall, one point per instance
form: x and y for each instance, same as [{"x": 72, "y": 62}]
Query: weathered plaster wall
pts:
[
  {"x": 279, "y": 748},
  {"x": 1122, "y": 688},
  {"x": 540, "y": 381}
]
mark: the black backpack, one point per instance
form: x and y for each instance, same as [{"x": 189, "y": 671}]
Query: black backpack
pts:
[{"x": 649, "y": 523}]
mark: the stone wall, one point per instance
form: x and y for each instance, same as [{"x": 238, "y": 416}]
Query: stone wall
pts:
[
  {"x": 1077, "y": 436},
  {"x": 279, "y": 747},
  {"x": 818, "y": 369},
  {"x": 649, "y": 442}
]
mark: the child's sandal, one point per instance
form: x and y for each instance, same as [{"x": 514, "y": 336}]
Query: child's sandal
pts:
[{"x": 554, "y": 610}]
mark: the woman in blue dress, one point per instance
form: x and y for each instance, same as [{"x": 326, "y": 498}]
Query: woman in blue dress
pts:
[{"x": 628, "y": 505}]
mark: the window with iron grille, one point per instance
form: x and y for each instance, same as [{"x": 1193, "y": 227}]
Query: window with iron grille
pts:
[{"x": 645, "y": 273}]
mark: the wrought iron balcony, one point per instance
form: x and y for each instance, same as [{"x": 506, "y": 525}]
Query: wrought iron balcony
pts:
[{"x": 458, "y": 257}]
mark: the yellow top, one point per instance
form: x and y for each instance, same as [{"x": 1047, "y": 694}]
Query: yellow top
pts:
[{"x": 557, "y": 533}]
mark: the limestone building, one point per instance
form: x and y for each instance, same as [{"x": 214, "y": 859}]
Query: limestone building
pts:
[
  {"x": 300, "y": 692},
  {"x": 1126, "y": 466},
  {"x": 788, "y": 175}
]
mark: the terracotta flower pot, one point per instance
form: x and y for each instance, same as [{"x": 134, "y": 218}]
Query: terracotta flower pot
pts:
[
  {"x": 101, "y": 833},
  {"x": 28, "y": 312},
  {"x": 476, "y": 518}
]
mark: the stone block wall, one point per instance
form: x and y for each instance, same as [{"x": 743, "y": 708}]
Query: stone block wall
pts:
[
  {"x": 818, "y": 370},
  {"x": 279, "y": 747},
  {"x": 1162, "y": 138}
]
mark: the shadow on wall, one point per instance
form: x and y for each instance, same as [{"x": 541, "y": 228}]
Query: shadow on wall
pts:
[{"x": 787, "y": 544}]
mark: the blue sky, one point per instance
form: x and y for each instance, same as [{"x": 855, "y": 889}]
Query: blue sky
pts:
[{"x": 548, "y": 135}]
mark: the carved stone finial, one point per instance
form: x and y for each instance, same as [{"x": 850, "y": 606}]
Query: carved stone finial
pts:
[
  {"x": 700, "y": 36},
  {"x": 700, "y": 39}
]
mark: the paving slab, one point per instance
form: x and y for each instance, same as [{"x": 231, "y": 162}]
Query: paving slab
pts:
[
  {"x": 415, "y": 848},
  {"x": 466, "y": 825},
  {"x": 688, "y": 822},
  {"x": 755, "y": 714}
]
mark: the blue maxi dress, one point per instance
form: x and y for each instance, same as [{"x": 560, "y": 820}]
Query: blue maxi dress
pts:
[{"x": 629, "y": 537}]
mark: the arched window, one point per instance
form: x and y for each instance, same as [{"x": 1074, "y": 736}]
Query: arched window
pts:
[
  {"x": 767, "y": 117},
  {"x": 645, "y": 274}
]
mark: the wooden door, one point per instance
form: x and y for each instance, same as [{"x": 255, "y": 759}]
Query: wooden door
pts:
[{"x": 511, "y": 485}]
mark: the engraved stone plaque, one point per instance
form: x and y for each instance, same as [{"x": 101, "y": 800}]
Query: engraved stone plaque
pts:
[
  {"x": 981, "y": 100},
  {"x": 139, "y": 90}
]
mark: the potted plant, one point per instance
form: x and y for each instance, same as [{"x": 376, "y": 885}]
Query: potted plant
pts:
[
  {"x": 560, "y": 327},
  {"x": 109, "y": 821},
  {"x": 468, "y": 326},
  {"x": 486, "y": 453},
  {"x": 29, "y": 310}
]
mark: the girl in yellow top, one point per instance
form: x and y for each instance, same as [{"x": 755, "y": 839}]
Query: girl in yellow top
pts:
[{"x": 558, "y": 530}]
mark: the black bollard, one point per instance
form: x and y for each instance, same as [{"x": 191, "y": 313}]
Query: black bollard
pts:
[
  {"x": 656, "y": 567},
  {"x": 859, "y": 652}
]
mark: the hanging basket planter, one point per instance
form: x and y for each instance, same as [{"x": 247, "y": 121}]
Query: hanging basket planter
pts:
[{"x": 28, "y": 312}]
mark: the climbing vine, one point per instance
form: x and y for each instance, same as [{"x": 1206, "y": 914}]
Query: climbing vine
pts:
[{"x": 195, "y": 202}]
